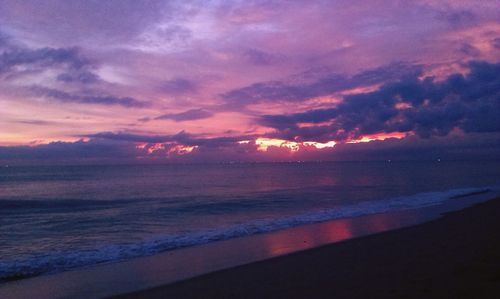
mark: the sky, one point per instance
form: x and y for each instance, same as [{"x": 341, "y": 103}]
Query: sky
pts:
[{"x": 191, "y": 81}]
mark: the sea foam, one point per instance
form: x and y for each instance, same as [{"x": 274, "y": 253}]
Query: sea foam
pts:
[{"x": 56, "y": 261}]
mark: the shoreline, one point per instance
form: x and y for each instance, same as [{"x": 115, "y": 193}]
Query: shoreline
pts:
[
  {"x": 178, "y": 266},
  {"x": 454, "y": 256}
]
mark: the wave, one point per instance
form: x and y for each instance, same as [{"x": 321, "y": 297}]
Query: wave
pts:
[
  {"x": 193, "y": 204},
  {"x": 56, "y": 261}
]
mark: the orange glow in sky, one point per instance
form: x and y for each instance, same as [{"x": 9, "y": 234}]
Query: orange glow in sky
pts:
[
  {"x": 321, "y": 145},
  {"x": 382, "y": 136},
  {"x": 167, "y": 147},
  {"x": 231, "y": 80},
  {"x": 264, "y": 143}
]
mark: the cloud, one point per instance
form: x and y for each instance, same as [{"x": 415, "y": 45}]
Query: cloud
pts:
[
  {"x": 4, "y": 40},
  {"x": 182, "y": 138},
  {"x": 297, "y": 62},
  {"x": 178, "y": 86},
  {"x": 452, "y": 147},
  {"x": 36, "y": 122},
  {"x": 423, "y": 106},
  {"x": 84, "y": 77},
  {"x": 469, "y": 50},
  {"x": 458, "y": 18},
  {"x": 38, "y": 59},
  {"x": 123, "y": 148},
  {"x": 68, "y": 151},
  {"x": 262, "y": 58},
  {"x": 80, "y": 20},
  {"x": 496, "y": 43},
  {"x": 327, "y": 84},
  {"x": 192, "y": 114},
  {"x": 101, "y": 99},
  {"x": 55, "y": 66},
  {"x": 131, "y": 137},
  {"x": 66, "y": 65}
]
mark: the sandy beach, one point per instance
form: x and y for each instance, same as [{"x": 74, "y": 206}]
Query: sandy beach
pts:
[{"x": 456, "y": 256}]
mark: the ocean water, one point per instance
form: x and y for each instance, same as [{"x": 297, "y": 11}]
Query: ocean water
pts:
[{"x": 56, "y": 218}]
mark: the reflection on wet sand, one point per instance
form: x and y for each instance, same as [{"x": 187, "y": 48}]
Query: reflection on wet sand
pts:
[
  {"x": 309, "y": 236},
  {"x": 168, "y": 267}
]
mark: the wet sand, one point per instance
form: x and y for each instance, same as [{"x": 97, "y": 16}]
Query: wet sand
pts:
[{"x": 456, "y": 256}]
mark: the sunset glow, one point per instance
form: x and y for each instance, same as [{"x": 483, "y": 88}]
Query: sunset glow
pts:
[
  {"x": 381, "y": 136},
  {"x": 166, "y": 148},
  {"x": 147, "y": 142},
  {"x": 264, "y": 143},
  {"x": 249, "y": 81}
]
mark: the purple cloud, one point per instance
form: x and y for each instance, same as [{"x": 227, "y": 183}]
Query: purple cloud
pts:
[
  {"x": 423, "y": 106},
  {"x": 327, "y": 84},
  {"x": 119, "y": 149},
  {"x": 469, "y": 50},
  {"x": 496, "y": 43},
  {"x": 458, "y": 18},
  {"x": 82, "y": 21},
  {"x": 101, "y": 99},
  {"x": 84, "y": 77},
  {"x": 182, "y": 138},
  {"x": 178, "y": 86},
  {"x": 61, "y": 152},
  {"x": 192, "y": 114},
  {"x": 38, "y": 59},
  {"x": 36, "y": 122},
  {"x": 294, "y": 70},
  {"x": 262, "y": 58}
]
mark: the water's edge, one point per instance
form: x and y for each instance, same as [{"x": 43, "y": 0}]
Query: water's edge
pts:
[
  {"x": 57, "y": 261},
  {"x": 167, "y": 267}
]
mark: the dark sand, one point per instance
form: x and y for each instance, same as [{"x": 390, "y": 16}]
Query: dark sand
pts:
[{"x": 457, "y": 256}]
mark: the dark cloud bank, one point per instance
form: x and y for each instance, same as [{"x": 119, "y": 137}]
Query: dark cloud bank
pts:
[
  {"x": 458, "y": 118},
  {"x": 37, "y": 59},
  {"x": 114, "y": 149},
  {"x": 326, "y": 84},
  {"x": 425, "y": 107}
]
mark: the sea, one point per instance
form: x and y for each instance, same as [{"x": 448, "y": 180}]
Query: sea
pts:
[{"x": 59, "y": 218}]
